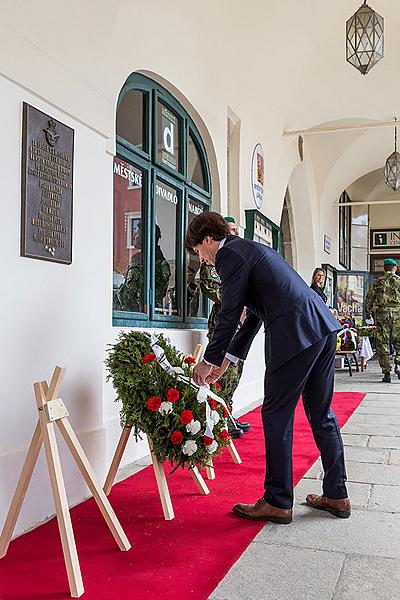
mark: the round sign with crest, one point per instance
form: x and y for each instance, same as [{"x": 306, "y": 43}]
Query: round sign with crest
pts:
[{"x": 257, "y": 175}]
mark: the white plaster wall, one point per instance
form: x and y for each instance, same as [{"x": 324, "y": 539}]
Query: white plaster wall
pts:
[{"x": 277, "y": 65}]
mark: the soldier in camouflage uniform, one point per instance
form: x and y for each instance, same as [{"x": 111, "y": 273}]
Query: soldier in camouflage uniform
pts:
[
  {"x": 384, "y": 297},
  {"x": 130, "y": 295},
  {"x": 210, "y": 285}
]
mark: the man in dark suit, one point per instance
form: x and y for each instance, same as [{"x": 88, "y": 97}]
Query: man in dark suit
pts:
[{"x": 300, "y": 345}]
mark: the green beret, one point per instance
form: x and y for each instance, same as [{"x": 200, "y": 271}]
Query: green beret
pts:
[
  {"x": 230, "y": 219},
  {"x": 390, "y": 261}
]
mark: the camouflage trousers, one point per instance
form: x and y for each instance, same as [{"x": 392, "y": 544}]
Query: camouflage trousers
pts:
[
  {"x": 231, "y": 378},
  {"x": 387, "y": 330}
]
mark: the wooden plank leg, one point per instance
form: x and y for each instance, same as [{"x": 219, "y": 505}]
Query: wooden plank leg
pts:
[
  {"x": 20, "y": 491},
  {"x": 162, "y": 485},
  {"x": 89, "y": 476},
  {"x": 60, "y": 497},
  {"x": 210, "y": 471},
  {"x": 199, "y": 481},
  {"x": 234, "y": 453},
  {"x": 116, "y": 461}
]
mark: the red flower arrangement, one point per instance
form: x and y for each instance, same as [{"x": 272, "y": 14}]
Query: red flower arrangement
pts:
[
  {"x": 173, "y": 395},
  {"x": 186, "y": 417},
  {"x": 154, "y": 403},
  {"x": 224, "y": 435},
  {"x": 217, "y": 386},
  {"x": 148, "y": 358},
  {"x": 177, "y": 438},
  {"x": 164, "y": 405},
  {"x": 189, "y": 360}
]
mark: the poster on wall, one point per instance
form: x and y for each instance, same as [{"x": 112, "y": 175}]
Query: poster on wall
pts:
[
  {"x": 47, "y": 187},
  {"x": 257, "y": 175},
  {"x": 350, "y": 296}
]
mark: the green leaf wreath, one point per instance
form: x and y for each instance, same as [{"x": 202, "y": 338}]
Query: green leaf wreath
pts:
[{"x": 161, "y": 405}]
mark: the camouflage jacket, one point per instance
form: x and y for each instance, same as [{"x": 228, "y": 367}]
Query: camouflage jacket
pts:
[
  {"x": 130, "y": 295},
  {"x": 383, "y": 294},
  {"x": 210, "y": 285}
]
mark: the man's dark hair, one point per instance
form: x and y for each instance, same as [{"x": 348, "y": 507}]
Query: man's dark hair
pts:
[{"x": 207, "y": 223}]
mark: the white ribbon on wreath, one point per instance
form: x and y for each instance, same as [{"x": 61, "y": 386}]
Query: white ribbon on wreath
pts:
[{"x": 203, "y": 392}]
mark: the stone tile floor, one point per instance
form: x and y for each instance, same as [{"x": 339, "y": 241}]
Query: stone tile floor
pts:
[{"x": 320, "y": 557}]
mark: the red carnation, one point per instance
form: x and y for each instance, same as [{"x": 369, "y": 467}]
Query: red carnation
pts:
[
  {"x": 186, "y": 417},
  {"x": 217, "y": 386},
  {"x": 225, "y": 412},
  {"x": 154, "y": 403},
  {"x": 189, "y": 360},
  {"x": 212, "y": 403},
  {"x": 173, "y": 395},
  {"x": 177, "y": 438},
  {"x": 224, "y": 435},
  {"x": 148, "y": 358},
  {"x": 207, "y": 440}
]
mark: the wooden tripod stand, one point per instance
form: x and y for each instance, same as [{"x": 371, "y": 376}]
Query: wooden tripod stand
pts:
[{"x": 52, "y": 411}]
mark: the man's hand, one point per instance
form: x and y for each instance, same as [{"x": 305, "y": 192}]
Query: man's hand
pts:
[
  {"x": 217, "y": 372},
  {"x": 200, "y": 372}
]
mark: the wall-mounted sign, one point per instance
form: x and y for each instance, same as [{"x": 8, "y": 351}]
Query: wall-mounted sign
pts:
[
  {"x": 47, "y": 182},
  {"x": 384, "y": 239},
  {"x": 327, "y": 244},
  {"x": 168, "y": 138},
  {"x": 257, "y": 175}
]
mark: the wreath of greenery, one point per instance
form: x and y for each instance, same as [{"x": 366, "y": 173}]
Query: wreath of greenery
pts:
[{"x": 162, "y": 406}]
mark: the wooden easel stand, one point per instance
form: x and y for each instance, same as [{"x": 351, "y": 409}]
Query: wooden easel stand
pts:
[
  {"x": 52, "y": 410},
  {"x": 158, "y": 472}
]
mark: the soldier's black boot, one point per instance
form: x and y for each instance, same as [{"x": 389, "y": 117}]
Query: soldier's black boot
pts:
[
  {"x": 397, "y": 370},
  {"x": 386, "y": 378},
  {"x": 244, "y": 426}
]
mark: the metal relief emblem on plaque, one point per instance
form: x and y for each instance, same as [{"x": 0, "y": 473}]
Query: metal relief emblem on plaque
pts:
[{"x": 47, "y": 186}]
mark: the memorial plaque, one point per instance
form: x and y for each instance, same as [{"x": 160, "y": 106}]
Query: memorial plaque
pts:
[{"x": 47, "y": 186}]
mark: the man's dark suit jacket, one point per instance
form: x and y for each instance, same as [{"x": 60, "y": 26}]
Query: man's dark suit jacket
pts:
[{"x": 257, "y": 277}]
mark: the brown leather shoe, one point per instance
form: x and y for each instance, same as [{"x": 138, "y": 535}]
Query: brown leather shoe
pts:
[
  {"x": 339, "y": 508},
  {"x": 262, "y": 511}
]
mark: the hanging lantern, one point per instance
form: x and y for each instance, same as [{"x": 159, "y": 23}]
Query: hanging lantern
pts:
[
  {"x": 364, "y": 39},
  {"x": 392, "y": 165}
]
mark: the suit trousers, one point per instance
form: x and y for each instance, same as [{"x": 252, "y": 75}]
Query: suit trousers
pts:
[{"x": 310, "y": 374}]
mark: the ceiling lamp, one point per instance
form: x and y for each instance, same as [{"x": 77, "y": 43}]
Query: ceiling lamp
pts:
[
  {"x": 364, "y": 39},
  {"x": 392, "y": 165}
]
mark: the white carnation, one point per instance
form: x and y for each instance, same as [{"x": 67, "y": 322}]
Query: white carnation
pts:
[
  {"x": 193, "y": 427},
  {"x": 212, "y": 447},
  {"x": 189, "y": 447},
  {"x": 215, "y": 416},
  {"x": 179, "y": 370},
  {"x": 165, "y": 408}
]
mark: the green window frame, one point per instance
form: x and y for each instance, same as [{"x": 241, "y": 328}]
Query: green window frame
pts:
[{"x": 158, "y": 172}]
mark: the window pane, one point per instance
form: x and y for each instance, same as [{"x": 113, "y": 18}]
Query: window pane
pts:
[
  {"x": 168, "y": 137},
  {"x": 128, "y": 275},
  {"x": 166, "y": 289},
  {"x": 130, "y": 118},
  {"x": 196, "y": 301},
  {"x": 195, "y": 165}
]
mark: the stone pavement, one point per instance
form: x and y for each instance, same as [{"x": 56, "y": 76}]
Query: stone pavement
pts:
[{"x": 320, "y": 557}]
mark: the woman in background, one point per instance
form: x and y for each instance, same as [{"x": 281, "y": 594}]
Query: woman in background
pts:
[{"x": 318, "y": 281}]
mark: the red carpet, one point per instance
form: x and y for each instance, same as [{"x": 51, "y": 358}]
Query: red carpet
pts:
[{"x": 174, "y": 560}]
